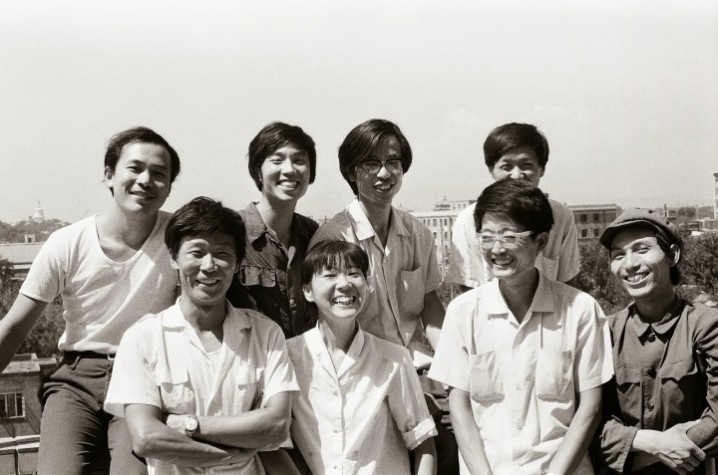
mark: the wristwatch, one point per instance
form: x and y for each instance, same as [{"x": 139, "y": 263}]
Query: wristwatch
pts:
[{"x": 191, "y": 424}]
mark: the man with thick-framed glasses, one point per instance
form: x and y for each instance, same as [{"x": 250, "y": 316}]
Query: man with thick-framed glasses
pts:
[{"x": 525, "y": 356}]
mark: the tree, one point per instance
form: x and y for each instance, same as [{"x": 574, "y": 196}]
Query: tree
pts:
[
  {"x": 596, "y": 279},
  {"x": 700, "y": 263},
  {"x": 43, "y": 338}
]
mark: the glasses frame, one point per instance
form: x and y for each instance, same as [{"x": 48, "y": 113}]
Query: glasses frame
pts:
[
  {"x": 500, "y": 238},
  {"x": 370, "y": 166}
]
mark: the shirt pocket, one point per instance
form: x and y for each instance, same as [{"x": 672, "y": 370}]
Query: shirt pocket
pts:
[
  {"x": 554, "y": 379},
  {"x": 245, "y": 379},
  {"x": 485, "y": 382},
  {"x": 411, "y": 291},
  {"x": 253, "y": 275},
  {"x": 175, "y": 391},
  {"x": 678, "y": 370}
]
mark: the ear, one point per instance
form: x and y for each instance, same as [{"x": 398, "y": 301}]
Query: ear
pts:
[
  {"x": 541, "y": 241},
  {"x": 109, "y": 175},
  {"x": 173, "y": 263},
  {"x": 308, "y": 295},
  {"x": 352, "y": 174},
  {"x": 543, "y": 170},
  {"x": 675, "y": 255}
]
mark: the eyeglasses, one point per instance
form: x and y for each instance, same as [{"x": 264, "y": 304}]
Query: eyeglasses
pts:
[
  {"x": 507, "y": 239},
  {"x": 373, "y": 166}
]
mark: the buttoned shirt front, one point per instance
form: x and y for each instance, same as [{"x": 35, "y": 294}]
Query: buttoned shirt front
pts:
[
  {"x": 401, "y": 273},
  {"x": 559, "y": 260},
  {"x": 523, "y": 377},
  {"x": 666, "y": 374},
  {"x": 363, "y": 417},
  {"x": 269, "y": 276},
  {"x": 161, "y": 362}
]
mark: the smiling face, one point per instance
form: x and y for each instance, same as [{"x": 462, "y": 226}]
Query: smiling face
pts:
[
  {"x": 285, "y": 174},
  {"x": 517, "y": 262},
  {"x": 339, "y": 294},
  {"x": 206, "y": 265},
  {"x": 640, "y": 265},
  {"x": 519, "y": 163},
  {"x": 140, "y": 181},
  {"x": 378, "y": 187}
]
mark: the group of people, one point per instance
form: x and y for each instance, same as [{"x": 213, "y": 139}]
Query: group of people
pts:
[{"x": 217, "y": 341}]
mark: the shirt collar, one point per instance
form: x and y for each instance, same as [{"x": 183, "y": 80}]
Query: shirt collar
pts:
[
  {"x": 362, "y": 226},
  {"x": 495, "y": 304},
  {"x": 173, "y": 318},
  {"x": 253, "y": 222},
  {"x": 317, "y": 347},
  {"x": 664, "y": 325}
]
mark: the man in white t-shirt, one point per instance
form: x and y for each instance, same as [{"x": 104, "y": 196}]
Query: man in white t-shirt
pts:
[
  {"x": 515, "y": 152},
  {"x": 110, "y": 269}
]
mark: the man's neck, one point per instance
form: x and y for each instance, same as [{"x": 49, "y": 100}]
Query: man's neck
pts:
[
  {"x": 130, "y": 229},
  {"x": 519, "y": 293},
  {"x": 652, "y": 309},
  {"x": 277, "y": 216},
  {"x": 379, "y": 217}
]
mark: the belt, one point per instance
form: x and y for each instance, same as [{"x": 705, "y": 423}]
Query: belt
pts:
[{"x": 73, "y": 355}]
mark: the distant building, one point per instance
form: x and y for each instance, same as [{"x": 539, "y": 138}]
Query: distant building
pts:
[
  {"x": 39, "y": 215},
  {"x": 715, "y": 195},
  {"x": 592, "y": 219},
  {"x": 20, "y": 256},
  {"x": 19, "y": 407},
  {"x": 440, "y": 220}
]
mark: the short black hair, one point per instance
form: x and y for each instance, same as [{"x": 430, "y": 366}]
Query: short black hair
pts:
[
  {"x": 518, "y": 201},
  {"x": 331, "y": 254},
  {"x": 139, "y": 135},
  {"x": 203, "y": 216},
  {"x": 360, "y": 143},
  {"x": 271, "y": 138},
  {"x": 509, "y": 136}
]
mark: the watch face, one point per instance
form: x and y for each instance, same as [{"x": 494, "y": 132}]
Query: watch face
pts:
[{"x": 191, "y": 423}]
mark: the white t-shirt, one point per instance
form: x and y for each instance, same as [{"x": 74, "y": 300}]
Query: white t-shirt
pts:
[
  {"x": 101, "y": 297},
  {"x": 560, "y": 259}
]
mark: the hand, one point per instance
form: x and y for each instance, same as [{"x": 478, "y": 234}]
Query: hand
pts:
[
  {"x": 175, "y": 421},
  {"x": 673, "y": 448}
]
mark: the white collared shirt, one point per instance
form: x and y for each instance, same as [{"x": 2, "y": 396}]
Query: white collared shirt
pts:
[
  {"x": 161, "y": 362},
  {"x": 559, "y": 260},
  {"x": 364, "y": 417},
  {"x": 401, "y": 273},
  {"x": 523, "y": 378}
]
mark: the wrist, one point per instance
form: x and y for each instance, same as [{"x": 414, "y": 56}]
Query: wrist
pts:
[
  {"x": 190, "y": 425},
  {"x": 644, "y": 441}
]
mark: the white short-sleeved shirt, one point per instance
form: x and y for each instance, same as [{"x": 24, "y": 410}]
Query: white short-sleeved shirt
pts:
[
  {"x": 401, "y": 273},
  {"x": 161, "y": 362},
  {"x": 101, "y": 297},
  {"x": 523, "y": 378},
  {"x": 559, "y": 260},
  {"x": 364, "y": 417}
]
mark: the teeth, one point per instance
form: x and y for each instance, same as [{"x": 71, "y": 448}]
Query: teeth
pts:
[
  {"x": 501, "y": 262},
  {"x": 289, "y": 184},
  {"x": 383, "y": 187},
  {"x": 207, "y": 281},
  {"x": 343, "y": 300},
  {"x": 633, "y": 278}
]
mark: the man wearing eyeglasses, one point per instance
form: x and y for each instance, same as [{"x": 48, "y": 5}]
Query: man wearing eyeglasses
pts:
[
  {"x": 402, "y": 305},
  {"x": 525, "y": 356},
  {"x": 515, "y": 152}
]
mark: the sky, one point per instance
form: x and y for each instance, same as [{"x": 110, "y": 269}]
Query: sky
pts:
[{"x": 625, "y": 91}]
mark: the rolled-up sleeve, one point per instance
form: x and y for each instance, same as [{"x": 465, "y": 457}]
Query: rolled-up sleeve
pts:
[
  {"x": 133, "y": 380},
  {"x": 407, "y": 405},
  {"x": 616, "y": 441},
  {"x": 594, "y": 360},
  {"x": 279, "y": 373}
]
